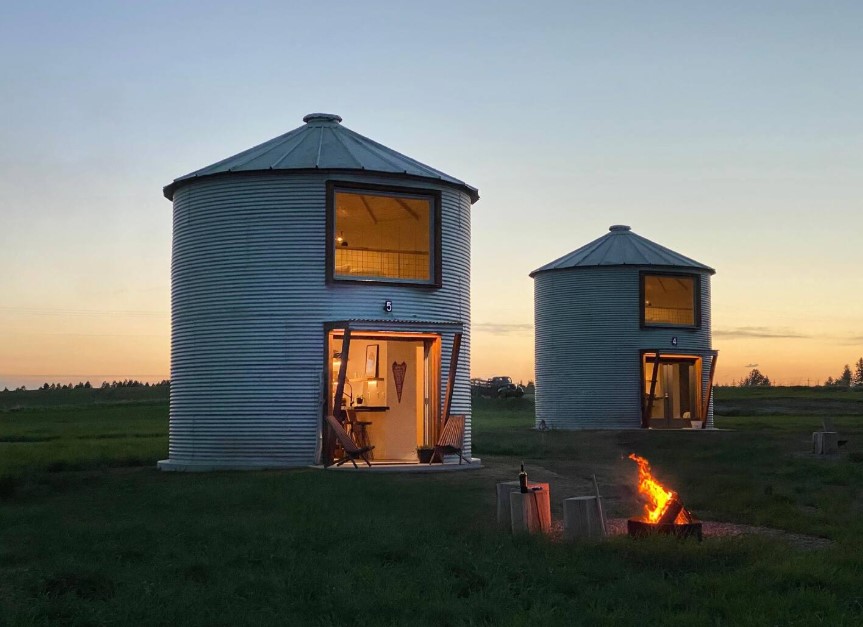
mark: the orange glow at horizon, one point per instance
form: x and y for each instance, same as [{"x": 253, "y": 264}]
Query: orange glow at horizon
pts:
[
  {"x": 89, "y": 345},
  {"x": 56, "y": 346},
  {"x": 786, "y": 361}
]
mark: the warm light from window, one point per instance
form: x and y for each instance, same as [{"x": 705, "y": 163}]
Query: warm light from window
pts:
[
  {"x": 391, "y": 236},
  {"x": 669, "y": 300}
]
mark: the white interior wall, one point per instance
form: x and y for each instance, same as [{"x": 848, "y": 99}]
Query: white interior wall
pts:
[{"x": 394, "y": 433}]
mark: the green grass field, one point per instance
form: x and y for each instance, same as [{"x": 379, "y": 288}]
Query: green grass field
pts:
[{"x": 91, "y": 533}]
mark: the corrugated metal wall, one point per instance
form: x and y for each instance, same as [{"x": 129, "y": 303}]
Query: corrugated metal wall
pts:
[
  {"x": 249, "y": 302},
  {"x": 588, "y": 343}
]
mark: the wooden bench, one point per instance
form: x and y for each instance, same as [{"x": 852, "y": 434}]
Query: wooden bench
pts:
[
  {"x": 451, "y": 440},
  {"x": 352, "y": 451}
]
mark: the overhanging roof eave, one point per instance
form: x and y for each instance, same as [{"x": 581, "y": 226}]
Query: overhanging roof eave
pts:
[
  {"x": 170, "y": 189},
  {"x": 646, "y": 266}
]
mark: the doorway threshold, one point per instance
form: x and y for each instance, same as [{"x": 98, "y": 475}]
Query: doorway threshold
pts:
[{"x": 406, "y": 467}]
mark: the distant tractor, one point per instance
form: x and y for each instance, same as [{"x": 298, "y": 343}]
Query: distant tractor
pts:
[
  {"x": 501, "y": 387},
  {"x": 510, "y": 390}
]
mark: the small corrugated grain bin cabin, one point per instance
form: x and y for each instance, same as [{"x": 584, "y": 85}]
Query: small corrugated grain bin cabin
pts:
[
  {"x": 623, "y": 339},
  {"x": 316, "y": 273}
]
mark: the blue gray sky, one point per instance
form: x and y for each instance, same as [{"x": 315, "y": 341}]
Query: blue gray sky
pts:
[{"x": 730, "y": 132}]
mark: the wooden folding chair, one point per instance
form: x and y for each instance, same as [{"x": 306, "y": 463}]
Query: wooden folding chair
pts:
[
  {"x": 451, "y": 440},
  {"x": 352, "y": 451}
]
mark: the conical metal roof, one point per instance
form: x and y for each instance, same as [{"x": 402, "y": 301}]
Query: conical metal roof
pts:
[
  {"x": 621, "y": 247},
  {"x": 322, "y": 143}
]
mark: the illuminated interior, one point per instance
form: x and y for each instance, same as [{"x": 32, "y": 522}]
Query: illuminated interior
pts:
[
  {"x": 677, "y": 394},
  {"x": 382, "y": 236},
  {"x": 379, "y": 365},
  {"x": 669, "y": 300}
]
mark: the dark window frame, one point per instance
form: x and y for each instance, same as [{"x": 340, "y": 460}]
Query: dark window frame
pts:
[
  {"x": 434, "y": 195},
  {"x": 696, "y": 298}
]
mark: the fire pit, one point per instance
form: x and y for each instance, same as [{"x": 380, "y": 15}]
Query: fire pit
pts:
[{"x": 664, "y": 513}]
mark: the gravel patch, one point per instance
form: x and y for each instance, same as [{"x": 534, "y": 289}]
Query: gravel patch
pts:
[{"x": 710, "y": 529}]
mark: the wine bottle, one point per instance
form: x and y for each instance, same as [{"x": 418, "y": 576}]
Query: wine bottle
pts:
[{"x": 522, "y": 480}]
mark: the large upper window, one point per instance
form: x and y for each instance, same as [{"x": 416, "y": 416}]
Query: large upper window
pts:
[
  {"x": 383, "y": 234},
  {"x": 669, "y": 300}
]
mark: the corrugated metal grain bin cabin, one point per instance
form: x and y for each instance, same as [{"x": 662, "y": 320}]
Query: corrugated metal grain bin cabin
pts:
[
  {"x": 623, "y": 337},
  {"x": 315, "y": 266}
]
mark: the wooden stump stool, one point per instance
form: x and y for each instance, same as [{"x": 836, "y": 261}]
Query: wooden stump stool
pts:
[
  {"x": 825, "y": 442},
  {"x": 504, "y": 490},
  {"x": 531, "y": 511},
  {"x": 581, "y": 518}
]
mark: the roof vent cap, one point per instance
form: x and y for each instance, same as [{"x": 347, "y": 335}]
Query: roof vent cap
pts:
[
  {"x": 322, "y": 117},
  {"x": 616, "y": 228}
]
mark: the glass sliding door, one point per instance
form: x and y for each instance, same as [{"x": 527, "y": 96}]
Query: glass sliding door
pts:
[{"x": 676, "y": 396}]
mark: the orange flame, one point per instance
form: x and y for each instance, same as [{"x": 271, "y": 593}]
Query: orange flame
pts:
[{"x": 657, "y": 495}]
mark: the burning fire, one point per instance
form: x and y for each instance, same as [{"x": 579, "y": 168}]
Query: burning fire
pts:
[{"x": 658, "y": 496}]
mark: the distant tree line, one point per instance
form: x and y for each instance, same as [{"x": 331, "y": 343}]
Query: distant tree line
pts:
[
  {"x": 847, "y": 378},
  {"x": 131, "y": 383},
  {"x": 59, "y": 386},
  {"x": 85, "y": 385}
]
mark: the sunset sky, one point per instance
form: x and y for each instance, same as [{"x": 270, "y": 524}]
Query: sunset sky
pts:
[{"x": 728, "y": 131}]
